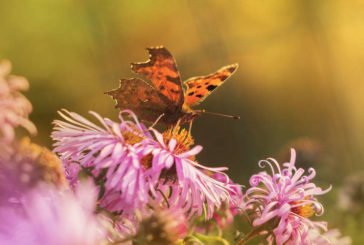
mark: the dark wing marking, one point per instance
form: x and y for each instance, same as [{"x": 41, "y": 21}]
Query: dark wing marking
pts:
[{"x": 161, "y": 70}]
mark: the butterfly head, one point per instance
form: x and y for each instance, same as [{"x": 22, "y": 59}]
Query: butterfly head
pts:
[{"x": 189, "y": 114}]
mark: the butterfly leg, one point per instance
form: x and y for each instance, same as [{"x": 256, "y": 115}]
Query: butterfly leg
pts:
[{"x": 190, "y": 127}]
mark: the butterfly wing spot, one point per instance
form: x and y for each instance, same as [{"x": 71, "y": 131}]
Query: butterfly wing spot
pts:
[
  {"x": 174, "y": 91},
  {"x": 173, "y": 79},
  {"x": 198, "y": 88},
  {"x": 211, "y": 87},
  {"x": 232, "y": 68}
]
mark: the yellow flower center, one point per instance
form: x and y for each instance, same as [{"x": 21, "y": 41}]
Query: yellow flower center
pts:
[
  {"x": 131, "y": 137},
  {"x": 305, "y": 210},
  {"x": 182, "y": 136},
  {"x": 146, "y": 161}
]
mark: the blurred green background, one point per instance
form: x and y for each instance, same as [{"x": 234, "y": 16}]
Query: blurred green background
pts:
[{"x": 300, "y": 82}]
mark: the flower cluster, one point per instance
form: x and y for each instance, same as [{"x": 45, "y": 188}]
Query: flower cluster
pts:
[{"x": 136, "y": 166}]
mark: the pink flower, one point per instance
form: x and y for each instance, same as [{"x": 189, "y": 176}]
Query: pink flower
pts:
[
  {"x": 175, "y": 173},
  {"x": 285, "y": 199},
  {"x": 14, "y": 107},
  {"x": 111, "y": 154},
  {"x": 50, "y": 216}
]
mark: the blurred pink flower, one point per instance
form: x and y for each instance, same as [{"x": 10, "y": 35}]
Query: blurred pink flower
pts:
[
  {"x": 330, "y": 237},
  {"x": 162, "y": 226},
  {"x": 50, "y": 216},
  {"x": 26, "y": 166},
  {"x": 115, "y": 147},
  {"x": 14, "y": 107},
  {"x": 285, "y": 199}
]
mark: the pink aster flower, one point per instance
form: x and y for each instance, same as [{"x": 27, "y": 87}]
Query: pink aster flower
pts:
[
  {"x": 174, "y": 168},
  {"x": 284, "y": 199},
  {"x": 14, "y": 107},
  {"x": 111, "y": 154},
  {"x": 50, "y": 216}
]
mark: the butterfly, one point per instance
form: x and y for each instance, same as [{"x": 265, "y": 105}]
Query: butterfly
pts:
[{"x": 164, "y": 96}]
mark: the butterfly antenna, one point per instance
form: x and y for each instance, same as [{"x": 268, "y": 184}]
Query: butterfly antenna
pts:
[
  {"x": 219, "y": 114},
  {"x": 156, "y": 121}
]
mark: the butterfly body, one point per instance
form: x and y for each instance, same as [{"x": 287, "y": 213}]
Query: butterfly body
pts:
[{"x": 164, "y": 96}]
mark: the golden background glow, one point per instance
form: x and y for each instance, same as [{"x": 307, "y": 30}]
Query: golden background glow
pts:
[{"x": 300, "y": 82}]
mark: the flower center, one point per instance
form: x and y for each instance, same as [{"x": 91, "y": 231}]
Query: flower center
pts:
[
  {"x": 131, "y": 138},
  {"x": 182, "y": 136},
  {"x": 184, "y": 143},
  {"x": 304, "y": 210},
  {"x": 146, "y": 161}
]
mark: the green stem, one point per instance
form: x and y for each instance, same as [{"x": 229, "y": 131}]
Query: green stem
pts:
[{"x": 248, "y": 237}]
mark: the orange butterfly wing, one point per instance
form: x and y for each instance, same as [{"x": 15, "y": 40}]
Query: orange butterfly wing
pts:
[
  {"x": 198, "y": 88},
  {"x": 140, "y": 97},
  {"x": 161, "y": 70}
]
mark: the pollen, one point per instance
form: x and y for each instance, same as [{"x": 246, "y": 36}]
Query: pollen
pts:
[
  {"x": 182, "y": 136},
  {"x": 146, "y": 161},
  {"x": 305, "y": 210},
  {"x": 131, "y": 137}
]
